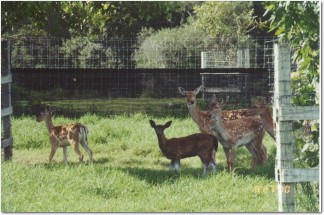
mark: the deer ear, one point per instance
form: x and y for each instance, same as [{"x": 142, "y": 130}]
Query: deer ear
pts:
[
  {"x": 152, "y": 124},
  {"x": 167, "y": 125},
  {"x": 197, "y": 90},
  {"x": 182, "y": 91}
]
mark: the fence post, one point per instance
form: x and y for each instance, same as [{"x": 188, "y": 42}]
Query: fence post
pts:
[
  {"x": 6, "y": 109},
  {"x": 284, "y": 156},
  {"x": 246, "y": 58},
  {"x": 203, "y": 60},
  {"x": 239, "y": 56}
]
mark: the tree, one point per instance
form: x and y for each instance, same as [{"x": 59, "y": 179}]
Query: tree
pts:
[
  {"x": 298, "y": 24},
  {"x": 104, "y": 19},
  {"x": 225, "y": 19}
]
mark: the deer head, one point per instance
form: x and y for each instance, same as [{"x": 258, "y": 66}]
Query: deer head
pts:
[
  {"x": 159, "y": 129},
  {"x": 46, "y": 114},
  {"x": 190, "y": 95},
  {"x": 215, "y": 106}
]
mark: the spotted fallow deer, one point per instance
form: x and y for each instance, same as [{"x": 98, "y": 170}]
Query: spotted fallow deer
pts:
[
  {"x": 74, "y": 134},
  {"x": 247, "y": 131},
  {"x": 204, "y": 122}
]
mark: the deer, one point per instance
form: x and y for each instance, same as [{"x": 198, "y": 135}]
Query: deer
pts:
[
  {"x": 175, "y": 149},
  {"x": 74, "y": 134},
  {"x": 204, "y": 122},
  {"x": 247, "y": 131},
  {"x": 261, "y": 109}
]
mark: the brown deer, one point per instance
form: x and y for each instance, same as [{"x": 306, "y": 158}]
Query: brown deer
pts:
[
  {"x": 247, "y": 131},
  {"x": 74, "y": 134},
  {"x": 203, "y": 145},
  {"x": 205, "y": 123}
]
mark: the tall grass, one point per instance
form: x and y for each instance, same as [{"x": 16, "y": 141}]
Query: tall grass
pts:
[{"x": 129, "y": 174}]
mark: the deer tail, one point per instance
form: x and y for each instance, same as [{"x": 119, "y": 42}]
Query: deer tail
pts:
[{"x": 84, "y": 132}]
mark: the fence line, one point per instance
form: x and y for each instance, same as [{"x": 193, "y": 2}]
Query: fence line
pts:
[
  {"x": 46, "y": 85},
  {"x": 283, "y": 114},
  {"x": 38, "y": 52}
]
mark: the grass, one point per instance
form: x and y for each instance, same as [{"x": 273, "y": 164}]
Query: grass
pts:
[{"x": 129, "y": 173}]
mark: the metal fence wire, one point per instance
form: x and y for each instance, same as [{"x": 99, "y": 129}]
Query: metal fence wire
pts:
[
  {"x": 83, "y": 75},
  {"x": 30, "y": 52}
]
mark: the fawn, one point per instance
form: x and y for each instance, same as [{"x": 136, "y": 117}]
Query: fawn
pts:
[
  {"x": 247, "y": 131},
  {"x": 74, "y": 134},
  {"x": 203, "y": 145}
]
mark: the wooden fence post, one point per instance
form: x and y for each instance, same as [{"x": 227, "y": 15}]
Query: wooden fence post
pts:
[
  {"x": 6, "y": 109},
  {"x": 247, "y": 58},
  {"x": 203, "y": 60},
  {"x": 239, "y": 57},
  {"x": 284, "y": 157}
]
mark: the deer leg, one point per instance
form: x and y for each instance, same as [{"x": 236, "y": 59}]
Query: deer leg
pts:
[
  {"x": 227, "y": 153},
  {"x": 253, "y": 151},
  {"x": 75, "y": 146},
  {"x": 213, "y": 161},
  {"x": 171, "y": 167},
  {"x": 53, "y": 150},
  {"x": 177, "y": 166},
  {"x": 87, "y": 149},
  {"x": 232, "y": 157},
  {"x": 205, "y": 169},
  {"x": 212, "y": 165},
  {"x": 65, "y": 154}
]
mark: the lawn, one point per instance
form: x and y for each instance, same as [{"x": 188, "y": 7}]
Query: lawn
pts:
[{"x": 129, "y": 173}]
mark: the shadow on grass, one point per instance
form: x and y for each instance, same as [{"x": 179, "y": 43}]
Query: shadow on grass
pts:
[
  {"x": 57, "y": 165},
  {"x": 102, "y": 160},
  {"x": 162, "y": 176},
  {"x": 266, "y": 170}
]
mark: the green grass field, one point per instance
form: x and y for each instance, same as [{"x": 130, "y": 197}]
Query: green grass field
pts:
[{"x": 129, "y": 174}]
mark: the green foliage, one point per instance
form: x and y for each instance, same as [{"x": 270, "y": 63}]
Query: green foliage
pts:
[
  {"x": 108, "y": 19},
  {"x": 87, "y": 53},
  {"x": 225, "y": 19},
  {"x": 161, "y": 49},
  {"x": 298, "y": 23}
]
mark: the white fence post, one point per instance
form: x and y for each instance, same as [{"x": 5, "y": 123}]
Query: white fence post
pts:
[
  {"x": 239, "y": 57},
  {"x": 247, "y": 58},
  {"x": 203, "y": 60},
  {"x": 284, "y": 157}
]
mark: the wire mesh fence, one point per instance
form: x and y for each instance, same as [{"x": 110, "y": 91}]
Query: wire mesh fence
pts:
[
  {"x": 29, "y": 52},
  {"x": 98, "y": 91},
  {"x": 83, "y": 75}
]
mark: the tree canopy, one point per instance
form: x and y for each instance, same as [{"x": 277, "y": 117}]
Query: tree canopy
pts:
[{"x": 108, "y": 19}]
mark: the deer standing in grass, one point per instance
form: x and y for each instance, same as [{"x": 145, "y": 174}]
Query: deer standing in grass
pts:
[
  {"x": 247, "y": 131},
  {"x": 74, "y": 134},
  {"x": 205, "y": 122},
  {"x": 203, "y": 145}
]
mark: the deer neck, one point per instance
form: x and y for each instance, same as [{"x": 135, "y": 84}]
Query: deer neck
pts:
[
  {"x": 194, "y": 112},
  {"x": 221, "y": 132},
  {"x": 162, "y": 140},
  {"x": 49, "y": 124}
]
